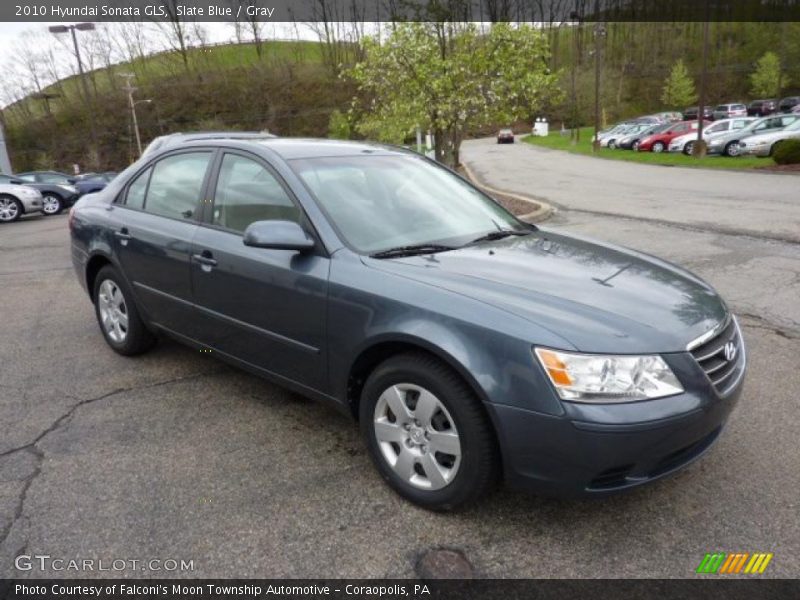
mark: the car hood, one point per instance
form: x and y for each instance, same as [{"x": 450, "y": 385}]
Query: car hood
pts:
[{"x": 598, "y": 297}]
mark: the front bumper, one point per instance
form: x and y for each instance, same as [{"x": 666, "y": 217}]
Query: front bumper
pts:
[
  {"x": 596, "y": 450},
  {"x": 31, "y": 204},
  {"x": 762, "y": 151}
]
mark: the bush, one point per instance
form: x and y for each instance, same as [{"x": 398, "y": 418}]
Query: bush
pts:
[{"x": 787, "y": 152}]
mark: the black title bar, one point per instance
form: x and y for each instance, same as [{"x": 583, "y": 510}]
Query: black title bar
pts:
[{"x": 549, "y": 11}]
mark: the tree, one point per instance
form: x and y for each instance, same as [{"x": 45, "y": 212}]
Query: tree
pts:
[
  {"x": 449, "y": 78},
  {"x": 766, "y": 79},
  {"x": 678, "y": 90}
]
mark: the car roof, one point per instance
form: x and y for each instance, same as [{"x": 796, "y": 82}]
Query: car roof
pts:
[
  {"x": 298, "y": 148},
  {"x": 171, "y": 139}
]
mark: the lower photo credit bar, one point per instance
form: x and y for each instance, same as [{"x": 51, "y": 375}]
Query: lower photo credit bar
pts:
[{"x": 484, "y": 589}]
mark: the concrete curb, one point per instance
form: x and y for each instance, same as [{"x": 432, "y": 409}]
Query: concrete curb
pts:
[{"x": 542, "y": 212}]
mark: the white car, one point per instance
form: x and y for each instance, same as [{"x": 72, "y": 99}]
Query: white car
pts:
[
  {"x": 764, "y": 144},
  {"x": 18, "y": 200},
  {"x": 685, "y": 143}
]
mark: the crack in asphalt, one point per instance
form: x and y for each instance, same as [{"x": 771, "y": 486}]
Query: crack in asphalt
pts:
[
  {"x": 745, "y": 233},
  {"x": 768, "y": 326},
  {"x": 38, "y": 454}
]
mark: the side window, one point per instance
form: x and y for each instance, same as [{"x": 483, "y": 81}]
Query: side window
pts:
[
  {"x": 136, "y": 190},
  {"x": 30, "y": 178},
  {"x": 52, "y": 178},
  {"x": 176, "y": 183},
  {"x": 247, "y": 192}
]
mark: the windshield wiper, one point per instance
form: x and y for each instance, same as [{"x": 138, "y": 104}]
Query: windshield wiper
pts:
[
  {"x": 497, "y": 235},
  {"x": 411, "y": 250}
]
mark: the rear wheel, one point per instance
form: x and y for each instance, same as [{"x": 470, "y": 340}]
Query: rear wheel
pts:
[
  {"x": 427, "y": 432},
  {"x": 52, "y": 204},
  {"x": 688, "y": 148},
  {"x": 10, "y": 209},
  {"x": 119, "y": 319},
  {"x": 612, "y": 144},
  {"x": 774, "y": 147},
  {"x": 635, "y": 146},
  {"x": 732, "y": 149}
]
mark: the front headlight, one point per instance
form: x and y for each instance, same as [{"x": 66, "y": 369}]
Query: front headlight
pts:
[{"x": 603, "y": 378}]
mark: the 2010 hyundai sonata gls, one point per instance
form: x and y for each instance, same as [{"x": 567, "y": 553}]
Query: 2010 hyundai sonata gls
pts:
[{"x": 469, "y": 345}]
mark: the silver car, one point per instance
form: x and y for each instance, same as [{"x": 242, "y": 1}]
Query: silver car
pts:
[
  {"x": 685, "y": 143},
  {"x": 728, "y": 144},
  {"x": 764, "y": 144},
  {"x": 18, "y": 200}
]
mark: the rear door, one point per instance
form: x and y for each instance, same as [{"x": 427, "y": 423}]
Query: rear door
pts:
[
  {"x": 156, "y": 221},
  {"x": 262, "y": 306}
]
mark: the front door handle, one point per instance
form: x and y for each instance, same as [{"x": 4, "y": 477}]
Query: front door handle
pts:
[
  {"x": 123, "y": 236},
  {"x": 205, "y": 259}
]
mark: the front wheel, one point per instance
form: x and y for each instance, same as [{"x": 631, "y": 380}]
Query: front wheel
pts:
[
  {"x": 118, "y": 316},
  {"x": 658, "y": 147},
  {"x": 688, "y": 148},
  {"x": 427, "y": 432},
  {"x": 732, "y": 149},
  {"x": 635, "y": 146},
  {"x": 52, "y": 204},
  {"x": 612, "y": 144}
]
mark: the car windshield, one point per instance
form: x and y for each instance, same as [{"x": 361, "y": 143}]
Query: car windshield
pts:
[{"x": 384, "y": 202}]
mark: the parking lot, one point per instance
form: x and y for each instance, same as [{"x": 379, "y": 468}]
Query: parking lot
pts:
[{"x": 174, "y": 455}]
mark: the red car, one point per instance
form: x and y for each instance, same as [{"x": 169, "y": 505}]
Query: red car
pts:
[{"x": 658, "y": 142}]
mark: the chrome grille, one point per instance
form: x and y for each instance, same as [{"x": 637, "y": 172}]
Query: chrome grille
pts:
[{"x": 721, "y": 356}]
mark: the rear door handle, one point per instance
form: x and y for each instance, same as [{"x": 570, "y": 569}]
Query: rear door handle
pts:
[{"x": 205, "y": 259}]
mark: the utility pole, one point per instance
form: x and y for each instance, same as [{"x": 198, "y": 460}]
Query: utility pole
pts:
[
  {"x": 129, "y": 89},
  {"x": 58, "y": 29},
  {"x": 599, "y": 31},
  {"x": 575, "y": 130},
  {"x": 699, "y": 147}
]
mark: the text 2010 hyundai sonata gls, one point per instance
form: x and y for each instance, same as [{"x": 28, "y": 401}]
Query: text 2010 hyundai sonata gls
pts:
[{"x": 470, "y": 346}]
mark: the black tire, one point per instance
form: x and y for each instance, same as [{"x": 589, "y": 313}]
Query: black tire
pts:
[
  {"x": 17, "y": 203},
  {"x": 774, "y": 147},
  {"x": 57, "y": 200},
  {"x": 687, "y": 149},
  {"x": 658, "y": 147},
  {"x": 138, "y": 338},
  {"x": 612, "y": 144},
  {"x": 479, "y": 468},
  {"x": 635, "y": 145},
  {"x": 728, "y": 150}
]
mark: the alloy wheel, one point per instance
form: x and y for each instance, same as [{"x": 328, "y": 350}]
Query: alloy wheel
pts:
[
  {"x": 658, "y": 147},
  {"x": 9, "y": 209},
  {"x": 113, "y": 311},
  {"x": 51, "y": 205},
  {"x": 417, "y": 437},
  {"x": 732, "y": 149}
]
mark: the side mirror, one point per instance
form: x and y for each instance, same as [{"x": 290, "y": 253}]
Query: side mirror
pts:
[{"x": 278, "y": 235}]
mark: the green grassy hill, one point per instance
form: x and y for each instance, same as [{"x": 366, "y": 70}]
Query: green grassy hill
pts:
[{"x": 289, "y": 90}]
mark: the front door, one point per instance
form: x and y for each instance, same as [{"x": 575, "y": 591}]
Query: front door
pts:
[{"x": 265, "y": 307}]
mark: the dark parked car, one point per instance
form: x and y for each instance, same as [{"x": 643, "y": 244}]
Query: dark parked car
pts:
[
  {"x": 690, "y": 114},
  {"x": 762, "y": 108},
  {"x": 93, "y": 182},
  {"x": 505, "y": 136},
  {"x": 787, "y": 104},
  {"x": 469, "y": 345},
  {"x": 55, "y": 196}
]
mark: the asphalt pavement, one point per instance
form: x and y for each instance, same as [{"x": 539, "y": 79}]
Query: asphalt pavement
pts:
[{"x": 175, "y": 456}]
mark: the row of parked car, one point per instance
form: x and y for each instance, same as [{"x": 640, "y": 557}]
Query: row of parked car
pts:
[
  {"x": 757, "y": 108},
  {"x": 46, "y": 192},
  {"x": 732, "y": 135}
]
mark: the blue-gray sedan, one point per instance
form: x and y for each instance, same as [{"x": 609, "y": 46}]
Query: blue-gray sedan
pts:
[{"x": 471, "y": 346}]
